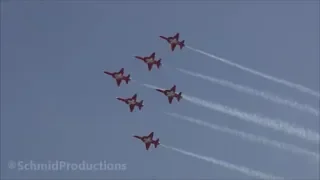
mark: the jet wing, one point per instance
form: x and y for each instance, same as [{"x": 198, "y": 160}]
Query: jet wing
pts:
[
  {"x": 147, "y": 145},
  {"x": 118, "y": 82},
  {"x": 151, "y": 135},
  {"x": 176, "y": 36},
  {"x": 150, "y": 67},
  {"x": 170, "y": 99},
  {"x": 134, "y": 97},
  {"x": 121, "y": 70},
  {"x": 173, "y": 46},
  {"x": 153, "y": 55},
  {"x": 131, "y": 107},
  {"x": 173, "y": 88}
]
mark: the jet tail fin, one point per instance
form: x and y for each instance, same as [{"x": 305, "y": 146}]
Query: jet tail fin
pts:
[
  {"x": 127, "y": 79},
  {"x": 140, "y": 105},
  {"x": 156, "y": 143},
  {"x": 181, "y": 44},
  {"x": 179, "y": 96},
  {"x": 159, "y": 63}
]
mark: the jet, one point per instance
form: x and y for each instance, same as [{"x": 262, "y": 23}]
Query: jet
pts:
[
  {"x": 132, "y": 102},
  {"x": 173, "y": 41},
  {"x": 150, "y": 60},
  {"x": 148, "y": 140},
  {"x": 171, "y": 93},
  {"x": 118, "y": 76}
]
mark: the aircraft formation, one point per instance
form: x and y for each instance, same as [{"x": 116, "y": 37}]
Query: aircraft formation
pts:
[{"x": 132, "y": 102}]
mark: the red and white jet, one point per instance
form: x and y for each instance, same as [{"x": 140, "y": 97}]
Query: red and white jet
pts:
[
  {"x": 148, "y": 140},
  {"x": 171, "y": 93},
  {"x": 132, "y": 102},
  {"x": 118, "y": 76},
  {"x": 173, "y": 41},
  {"x": 150, "y": 60}
]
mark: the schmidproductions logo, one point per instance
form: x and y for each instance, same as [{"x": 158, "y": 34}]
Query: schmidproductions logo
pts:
[{"x": 65, "y": 166}]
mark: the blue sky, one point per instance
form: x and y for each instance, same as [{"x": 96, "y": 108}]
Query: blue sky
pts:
[{"x": 56, "y": 103}]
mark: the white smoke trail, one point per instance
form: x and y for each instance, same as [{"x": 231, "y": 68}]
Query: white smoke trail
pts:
[
  {"x": 274, "y": 79},
  {"x": 254, "y": 118},
  {"x": 249, "y": 137},
  {"x": 267, "y": 96},
  {"x": 150, "y": 86},
  {"x": 241, "y": 169}
]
